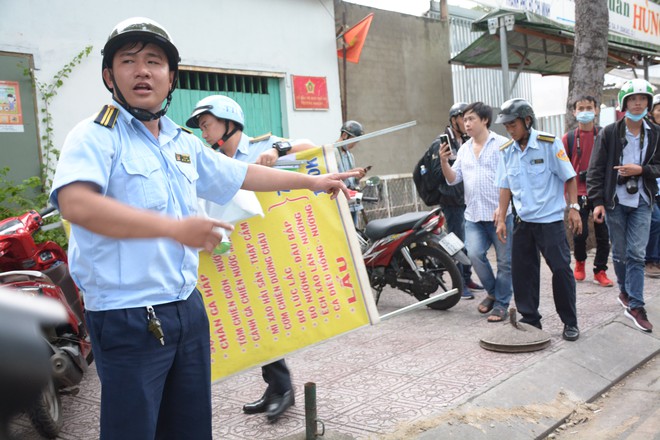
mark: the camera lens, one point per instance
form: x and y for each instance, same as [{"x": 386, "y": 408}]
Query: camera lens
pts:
[{"x": 631, "y": 186}]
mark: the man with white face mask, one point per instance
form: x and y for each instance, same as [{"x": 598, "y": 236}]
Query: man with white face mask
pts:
[
  {"x": 578, "y": 144},
  {"x": 621, "y": 183}
]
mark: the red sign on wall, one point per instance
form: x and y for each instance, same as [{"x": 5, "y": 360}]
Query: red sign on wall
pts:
[{"x": 310, "y": 92}]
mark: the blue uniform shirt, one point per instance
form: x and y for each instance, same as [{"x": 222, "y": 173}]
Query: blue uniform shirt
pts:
[
  {"x": 164, "y": 175},
  {"x": 248, "y": 150},
  {"x": 536, "y": 178}
]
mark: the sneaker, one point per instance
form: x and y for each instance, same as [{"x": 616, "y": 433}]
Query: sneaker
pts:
[
  {"x": 467, "y": 294},
  {"x": 623, "y": 299},
  {"x": 638, "y": 316},
  {"x": 600, "y": 277},
  {"x": 652, "y": 270},
  {"x": 578, "y": 272},
  {"x": 474, "y": 286}
]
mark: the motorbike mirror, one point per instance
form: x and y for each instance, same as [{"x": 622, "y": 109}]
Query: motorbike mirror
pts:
[{"x": 373, "y": 181}]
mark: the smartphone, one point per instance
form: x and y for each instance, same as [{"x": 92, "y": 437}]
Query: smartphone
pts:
[
  {"x": 444, "y": 139},
  {"x": 367, "y": 168}
]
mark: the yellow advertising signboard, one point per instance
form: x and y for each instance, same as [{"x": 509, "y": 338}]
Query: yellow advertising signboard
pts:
[{"x": 292, "y": 278}]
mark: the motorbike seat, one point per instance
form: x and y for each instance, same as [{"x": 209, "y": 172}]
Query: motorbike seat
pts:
[{"x": 380, "y": 228}]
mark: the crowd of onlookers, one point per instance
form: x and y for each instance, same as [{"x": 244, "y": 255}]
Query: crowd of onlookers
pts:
[{"x": 514, "y": 194}]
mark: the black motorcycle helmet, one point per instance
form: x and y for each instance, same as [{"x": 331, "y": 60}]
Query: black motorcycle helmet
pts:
[
  {"x": 140, "y": 30},
  {"x": 352, "y": 128},
  {"x": 514, "y": 109},
  {"x": 457, "y": 110}
]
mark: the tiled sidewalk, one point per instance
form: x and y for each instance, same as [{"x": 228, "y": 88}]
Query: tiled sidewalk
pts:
[{"x": 371, "y": 381}]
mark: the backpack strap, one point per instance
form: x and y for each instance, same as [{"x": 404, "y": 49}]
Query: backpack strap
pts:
[{"x": 571, "y": 141}]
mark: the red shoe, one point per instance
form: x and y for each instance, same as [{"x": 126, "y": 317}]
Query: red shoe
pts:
[
  {"x": 600, "y": 277},
  {"x": 578, "y": 272}
]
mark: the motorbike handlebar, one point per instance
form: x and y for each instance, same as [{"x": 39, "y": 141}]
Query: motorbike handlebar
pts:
[
  {"x": 370, "y": 199},
  {"x": 47, "y": 210}
]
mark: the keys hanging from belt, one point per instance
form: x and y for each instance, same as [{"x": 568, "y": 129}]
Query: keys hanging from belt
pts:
[{"x": 154, "y": 325}]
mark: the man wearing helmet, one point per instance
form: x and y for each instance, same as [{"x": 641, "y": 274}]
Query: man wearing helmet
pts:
[
  {"x": 346, "y": 161},
  {"x": 452, "y": 199},
  {"x": 652, "y": 259},
  {"x": 221, "y": 120},
  {"x": 621, "y": 181},
  {"x": 128, "y": 182},
  {"x": 533, "y": 172}
]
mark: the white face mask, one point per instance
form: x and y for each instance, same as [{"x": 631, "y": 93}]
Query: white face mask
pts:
[{"x": 585, "y": 117}]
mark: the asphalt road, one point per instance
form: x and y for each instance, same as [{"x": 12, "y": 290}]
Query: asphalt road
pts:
[{"x": 630, "y": 410}]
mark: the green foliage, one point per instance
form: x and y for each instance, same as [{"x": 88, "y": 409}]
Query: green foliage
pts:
[
  {"x": 47, "y": 92},
  {"x": 16, "y": 199}
]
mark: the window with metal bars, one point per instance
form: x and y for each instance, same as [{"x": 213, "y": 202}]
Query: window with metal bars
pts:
[{"x": 222, "y": 82}]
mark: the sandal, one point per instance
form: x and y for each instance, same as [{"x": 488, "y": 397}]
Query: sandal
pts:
[
  {"x": 498, "y": 314},
  {"x": 486, "y": 305}
]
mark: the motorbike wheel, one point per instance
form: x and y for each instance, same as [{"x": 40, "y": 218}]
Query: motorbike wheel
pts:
[
  {"x": 445, "y": 271},
  {"x": 46, "y": 412}
]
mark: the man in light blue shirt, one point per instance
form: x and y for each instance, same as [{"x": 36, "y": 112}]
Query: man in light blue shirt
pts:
[
  {"x": 222, "y": 121},
  {"x": 533, "y": 172},
  {"x": 128, "y": 182}
]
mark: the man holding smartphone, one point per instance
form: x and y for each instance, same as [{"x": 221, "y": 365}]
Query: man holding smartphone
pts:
[
  {"x": 452, "y": 200},
  {"x": 346, "y": 161}
]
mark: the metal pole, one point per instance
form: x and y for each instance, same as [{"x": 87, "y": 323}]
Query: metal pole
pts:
[
  {"x": 505, "y": 59},
  {"x": 418, "y": 305},
  {"x": 310, "y": 411},
  {"x": 344, "y": 104}
]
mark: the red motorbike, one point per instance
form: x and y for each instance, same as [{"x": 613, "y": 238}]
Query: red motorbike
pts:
[
  {"x": 412, "y": 253},
  {"x": 42, "y": 270}
]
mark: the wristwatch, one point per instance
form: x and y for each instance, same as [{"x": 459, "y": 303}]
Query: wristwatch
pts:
[
  {"x": 575, "y": 206},
  {"x": 282, "y": 147}
]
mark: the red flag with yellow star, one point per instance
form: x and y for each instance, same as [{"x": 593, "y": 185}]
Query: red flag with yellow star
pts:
[{"x": 354, "y": 39}]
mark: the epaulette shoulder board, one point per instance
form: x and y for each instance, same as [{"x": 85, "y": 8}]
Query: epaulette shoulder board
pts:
[
  {"x": 186, "y": 129},
  {"x": 107, "y": 116},
  {"x": 506, "y": 145},
  {"x": 261, "y": 138},
  {"x": 544, "y": 137}
]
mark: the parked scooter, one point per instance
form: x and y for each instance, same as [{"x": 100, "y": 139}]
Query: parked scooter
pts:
[
  {"x": 412, "y": 253},
  {"x": 42, "y": 270}
]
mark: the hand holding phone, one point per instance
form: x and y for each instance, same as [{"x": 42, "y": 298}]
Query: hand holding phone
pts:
[{"x": 444, "y": 139}]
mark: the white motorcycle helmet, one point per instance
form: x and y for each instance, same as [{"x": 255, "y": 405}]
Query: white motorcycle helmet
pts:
[
  {"x": 635, "y": 87},
  {"x": 220, "y": 106}
]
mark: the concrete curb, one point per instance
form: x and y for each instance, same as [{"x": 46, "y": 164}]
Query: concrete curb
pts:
[{"x": 540, "y": 398}]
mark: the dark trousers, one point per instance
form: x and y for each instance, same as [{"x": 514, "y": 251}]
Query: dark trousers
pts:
[
  {"x": 277, "y": 376},
  {"x": 548, "y": 239},
  {"x": 602, "y": 238},
  {"x": 148, "y": 390}
]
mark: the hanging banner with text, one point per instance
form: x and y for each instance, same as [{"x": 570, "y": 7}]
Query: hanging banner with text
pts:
[{"x": 292, "y": 278}]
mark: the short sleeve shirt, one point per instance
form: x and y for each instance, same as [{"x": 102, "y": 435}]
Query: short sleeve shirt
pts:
[
  {"x": 536, "y": 177},
  {"x": 164, "y": 175}
]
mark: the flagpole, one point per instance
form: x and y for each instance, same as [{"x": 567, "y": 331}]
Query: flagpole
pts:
[{"x": 343, "y": 43}]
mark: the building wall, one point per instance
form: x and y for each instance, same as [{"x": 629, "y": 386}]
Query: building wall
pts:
[
  {"x": 249, "y": 35},
  {"x": 403, "y": 75}
]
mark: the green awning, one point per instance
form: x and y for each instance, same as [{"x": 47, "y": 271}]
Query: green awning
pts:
[{"x": 540, "y": 45}]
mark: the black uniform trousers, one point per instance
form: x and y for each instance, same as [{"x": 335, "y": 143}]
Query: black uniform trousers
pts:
[
  {"x": 277, "y": 376},
  {"x": 601, "y": 233},
  {"x": 530, "y": 240}
]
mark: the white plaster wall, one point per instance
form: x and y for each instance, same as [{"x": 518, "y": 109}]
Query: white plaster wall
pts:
[{"x": 285, "y": 36}]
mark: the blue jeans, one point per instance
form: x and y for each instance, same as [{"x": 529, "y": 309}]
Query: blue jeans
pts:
[
  {"x": 480, "y": 237},
  {"x": 455, "y": 222},
  {"x": 629, "y": 232},
  {"x": 653, "y": 246}
]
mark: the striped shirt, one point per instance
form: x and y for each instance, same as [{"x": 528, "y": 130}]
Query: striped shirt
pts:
[{"x": 478, "y": 176}]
